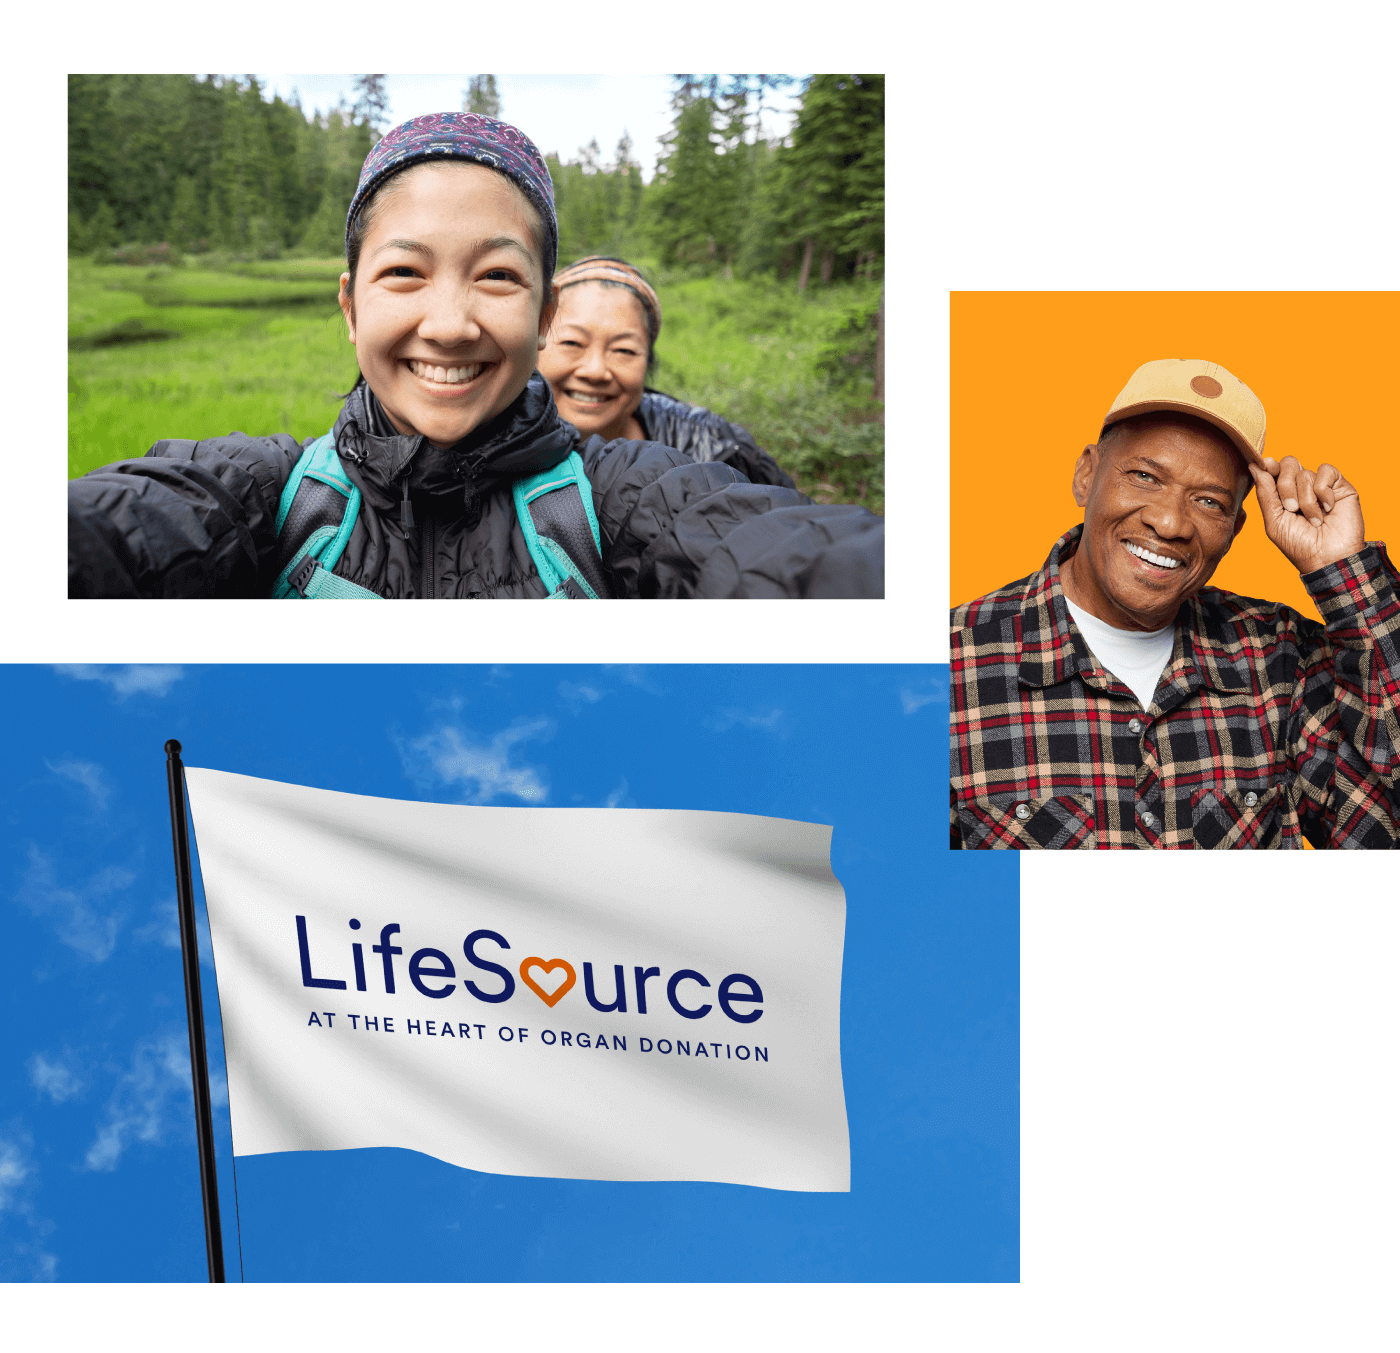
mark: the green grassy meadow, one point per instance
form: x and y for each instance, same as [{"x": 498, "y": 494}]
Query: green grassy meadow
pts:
[{"x": 198, "y": 351}]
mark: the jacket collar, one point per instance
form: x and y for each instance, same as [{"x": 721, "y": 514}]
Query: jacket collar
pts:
[
  {"x": 1053, "y": 650},
  {"x": 525, "y": 438}
]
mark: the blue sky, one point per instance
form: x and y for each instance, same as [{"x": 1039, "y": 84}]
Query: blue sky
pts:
[{"x": 98, "y": 1173}]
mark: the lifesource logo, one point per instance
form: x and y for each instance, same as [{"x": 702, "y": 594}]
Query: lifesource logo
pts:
[{"x": 433, "y": 973}]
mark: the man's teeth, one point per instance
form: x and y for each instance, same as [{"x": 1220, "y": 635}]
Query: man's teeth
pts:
[
  {"x": 446, "y": 375},
  {"x": 1160, "y": 560}
]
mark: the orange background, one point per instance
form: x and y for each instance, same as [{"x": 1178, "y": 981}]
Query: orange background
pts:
[
  {"x": 1031, "y": 376},
  {"x": 1033, "y": 373}
]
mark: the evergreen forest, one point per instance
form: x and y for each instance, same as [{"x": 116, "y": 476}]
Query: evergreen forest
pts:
[{"x": 205, "y": 234}]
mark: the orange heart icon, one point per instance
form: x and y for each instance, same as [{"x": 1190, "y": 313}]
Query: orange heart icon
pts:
[{"x": 548, "y": 966}]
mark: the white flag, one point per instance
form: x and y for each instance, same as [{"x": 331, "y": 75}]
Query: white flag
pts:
[{"x": 575, "y": 992}]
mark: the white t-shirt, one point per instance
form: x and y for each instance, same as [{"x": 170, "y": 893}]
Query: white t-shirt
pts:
[{"x": 1136, "y": 658}]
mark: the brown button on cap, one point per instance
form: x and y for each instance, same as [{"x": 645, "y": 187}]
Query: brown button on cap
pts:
[{"x": 1207, "y": 387}]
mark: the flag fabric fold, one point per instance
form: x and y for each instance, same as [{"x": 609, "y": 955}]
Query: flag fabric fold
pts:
[{"x": 621, "y": 994}]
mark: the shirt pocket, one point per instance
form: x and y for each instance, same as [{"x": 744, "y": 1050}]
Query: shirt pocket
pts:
[
  {"x": 1237, "y": 819},
  {"x": 1009, "y": 822}
]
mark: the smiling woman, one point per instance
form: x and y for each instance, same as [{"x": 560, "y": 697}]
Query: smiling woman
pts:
[
  {"x": 446, "y": 322},
  {"x": 449, "y": 472},
  {"x": 601, "y": 348},
  {"x": 601, "y": 345}
]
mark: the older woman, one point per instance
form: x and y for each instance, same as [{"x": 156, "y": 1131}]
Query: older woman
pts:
[{"x": 602, "y": 345}]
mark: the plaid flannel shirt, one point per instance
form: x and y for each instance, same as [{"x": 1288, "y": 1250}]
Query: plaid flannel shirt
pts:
[{"x": 1265, "y": 727}]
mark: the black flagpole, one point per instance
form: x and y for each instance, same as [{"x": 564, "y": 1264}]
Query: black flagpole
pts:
[{"x": 194, "y": 1008}]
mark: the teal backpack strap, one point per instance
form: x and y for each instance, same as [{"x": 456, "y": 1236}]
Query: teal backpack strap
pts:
[
  {"x": 315, "y": 517},
  {"x": 555, "y": 511},
  {"x": 312, "y": 581}
]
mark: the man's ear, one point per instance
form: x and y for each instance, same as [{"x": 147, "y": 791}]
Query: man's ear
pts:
[
  {"x": 1084, "y": 469},
  {"x": 1239, "y": 522}
]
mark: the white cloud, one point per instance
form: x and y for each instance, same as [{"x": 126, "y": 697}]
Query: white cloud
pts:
[
  {"x": 577, "y": 695},
  {"x": 45, "y": 1265},
  {"x": 744, "y": 718},
  {"x": 934, "y": 691},
  {"x": 132, "y": 679},
  {"x": 164, "y": 926},
  {"x": 61, "y": 1077},
  {"x": 634, "y": 674},
  {"x": 85, "y": 916},
  {"x": 16, "y": 1148},
  {"x": 164, "y": 929},
  {"x": 88, "y": 775},
  {"x": 18, "y": 1179},
  {"x": 140, "y": 1109},
  {"x": 451, "y": 757},
  {"x": 619, "y": 798}
]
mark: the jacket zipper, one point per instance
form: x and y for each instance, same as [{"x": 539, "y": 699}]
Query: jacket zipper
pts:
[{"x": 427, "y": 550}]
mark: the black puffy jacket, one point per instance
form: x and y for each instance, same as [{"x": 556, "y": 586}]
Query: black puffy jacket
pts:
[
  {"x": 198, "y": 519},
  {"x": 704, "y": 435}
]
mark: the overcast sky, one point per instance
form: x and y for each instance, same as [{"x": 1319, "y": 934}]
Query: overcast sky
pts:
[{"x": 558, "y": 112}]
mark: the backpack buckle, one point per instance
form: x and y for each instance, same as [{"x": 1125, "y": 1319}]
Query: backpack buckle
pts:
[
  {"x": 299, "y": 579},
  {"x": 571, "y": 590}
]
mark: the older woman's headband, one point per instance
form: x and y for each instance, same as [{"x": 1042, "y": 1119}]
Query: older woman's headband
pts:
[{"x": 599, "y": 269}]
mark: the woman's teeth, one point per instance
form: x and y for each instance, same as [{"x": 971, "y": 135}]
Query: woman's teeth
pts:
[
  {"x": 446, "y": 375},
  {"x": 579, "y": 398},
  {"x": 1160, "y": 560}
]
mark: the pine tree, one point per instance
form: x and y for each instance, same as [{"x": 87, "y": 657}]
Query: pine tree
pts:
[
  {"x": 121, "y": 150},
  {"x": 733, "y": 169},
  {"x": 89, "y": 163},
  {"x": 287, "y": 194},
  {"x": 600, "y": 207},
  {"x": 186, "y": 219},
  {"x": 345, "y": 144},
  {"x": 684, "y": 190},
  {"x": 480, "y": 96},
  {"x": 199, "y": 139},
  {"x": 834, "y": 172},
  {"x": 245, "y": 212},
  {"x": 761, "y": 243},
  {"x": 879, "y": 388},
  {"x": 627, "y": 178},
  {"x": 735, "y": 209},
  {"x": 861, "y": 225},
  {"x": 372, "y": 103},
  {"x": 102, "y": 229},
  {"x": 313, "y": 156},
  {"x": 155, "y": 157}
]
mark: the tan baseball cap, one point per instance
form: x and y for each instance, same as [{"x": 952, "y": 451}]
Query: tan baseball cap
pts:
[{"x": 1203, "y": 389}]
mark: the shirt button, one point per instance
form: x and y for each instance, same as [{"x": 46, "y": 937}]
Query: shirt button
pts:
[
  {"x": 1023, "y": 811},
  {"x": 1135, "y": 725},
  {"x": 1149, "y": 819},
  {"x": 1250, "y": 800}
]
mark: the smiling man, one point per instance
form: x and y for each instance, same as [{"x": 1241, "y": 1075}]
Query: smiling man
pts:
[{"x": 1113, "y": 699}]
